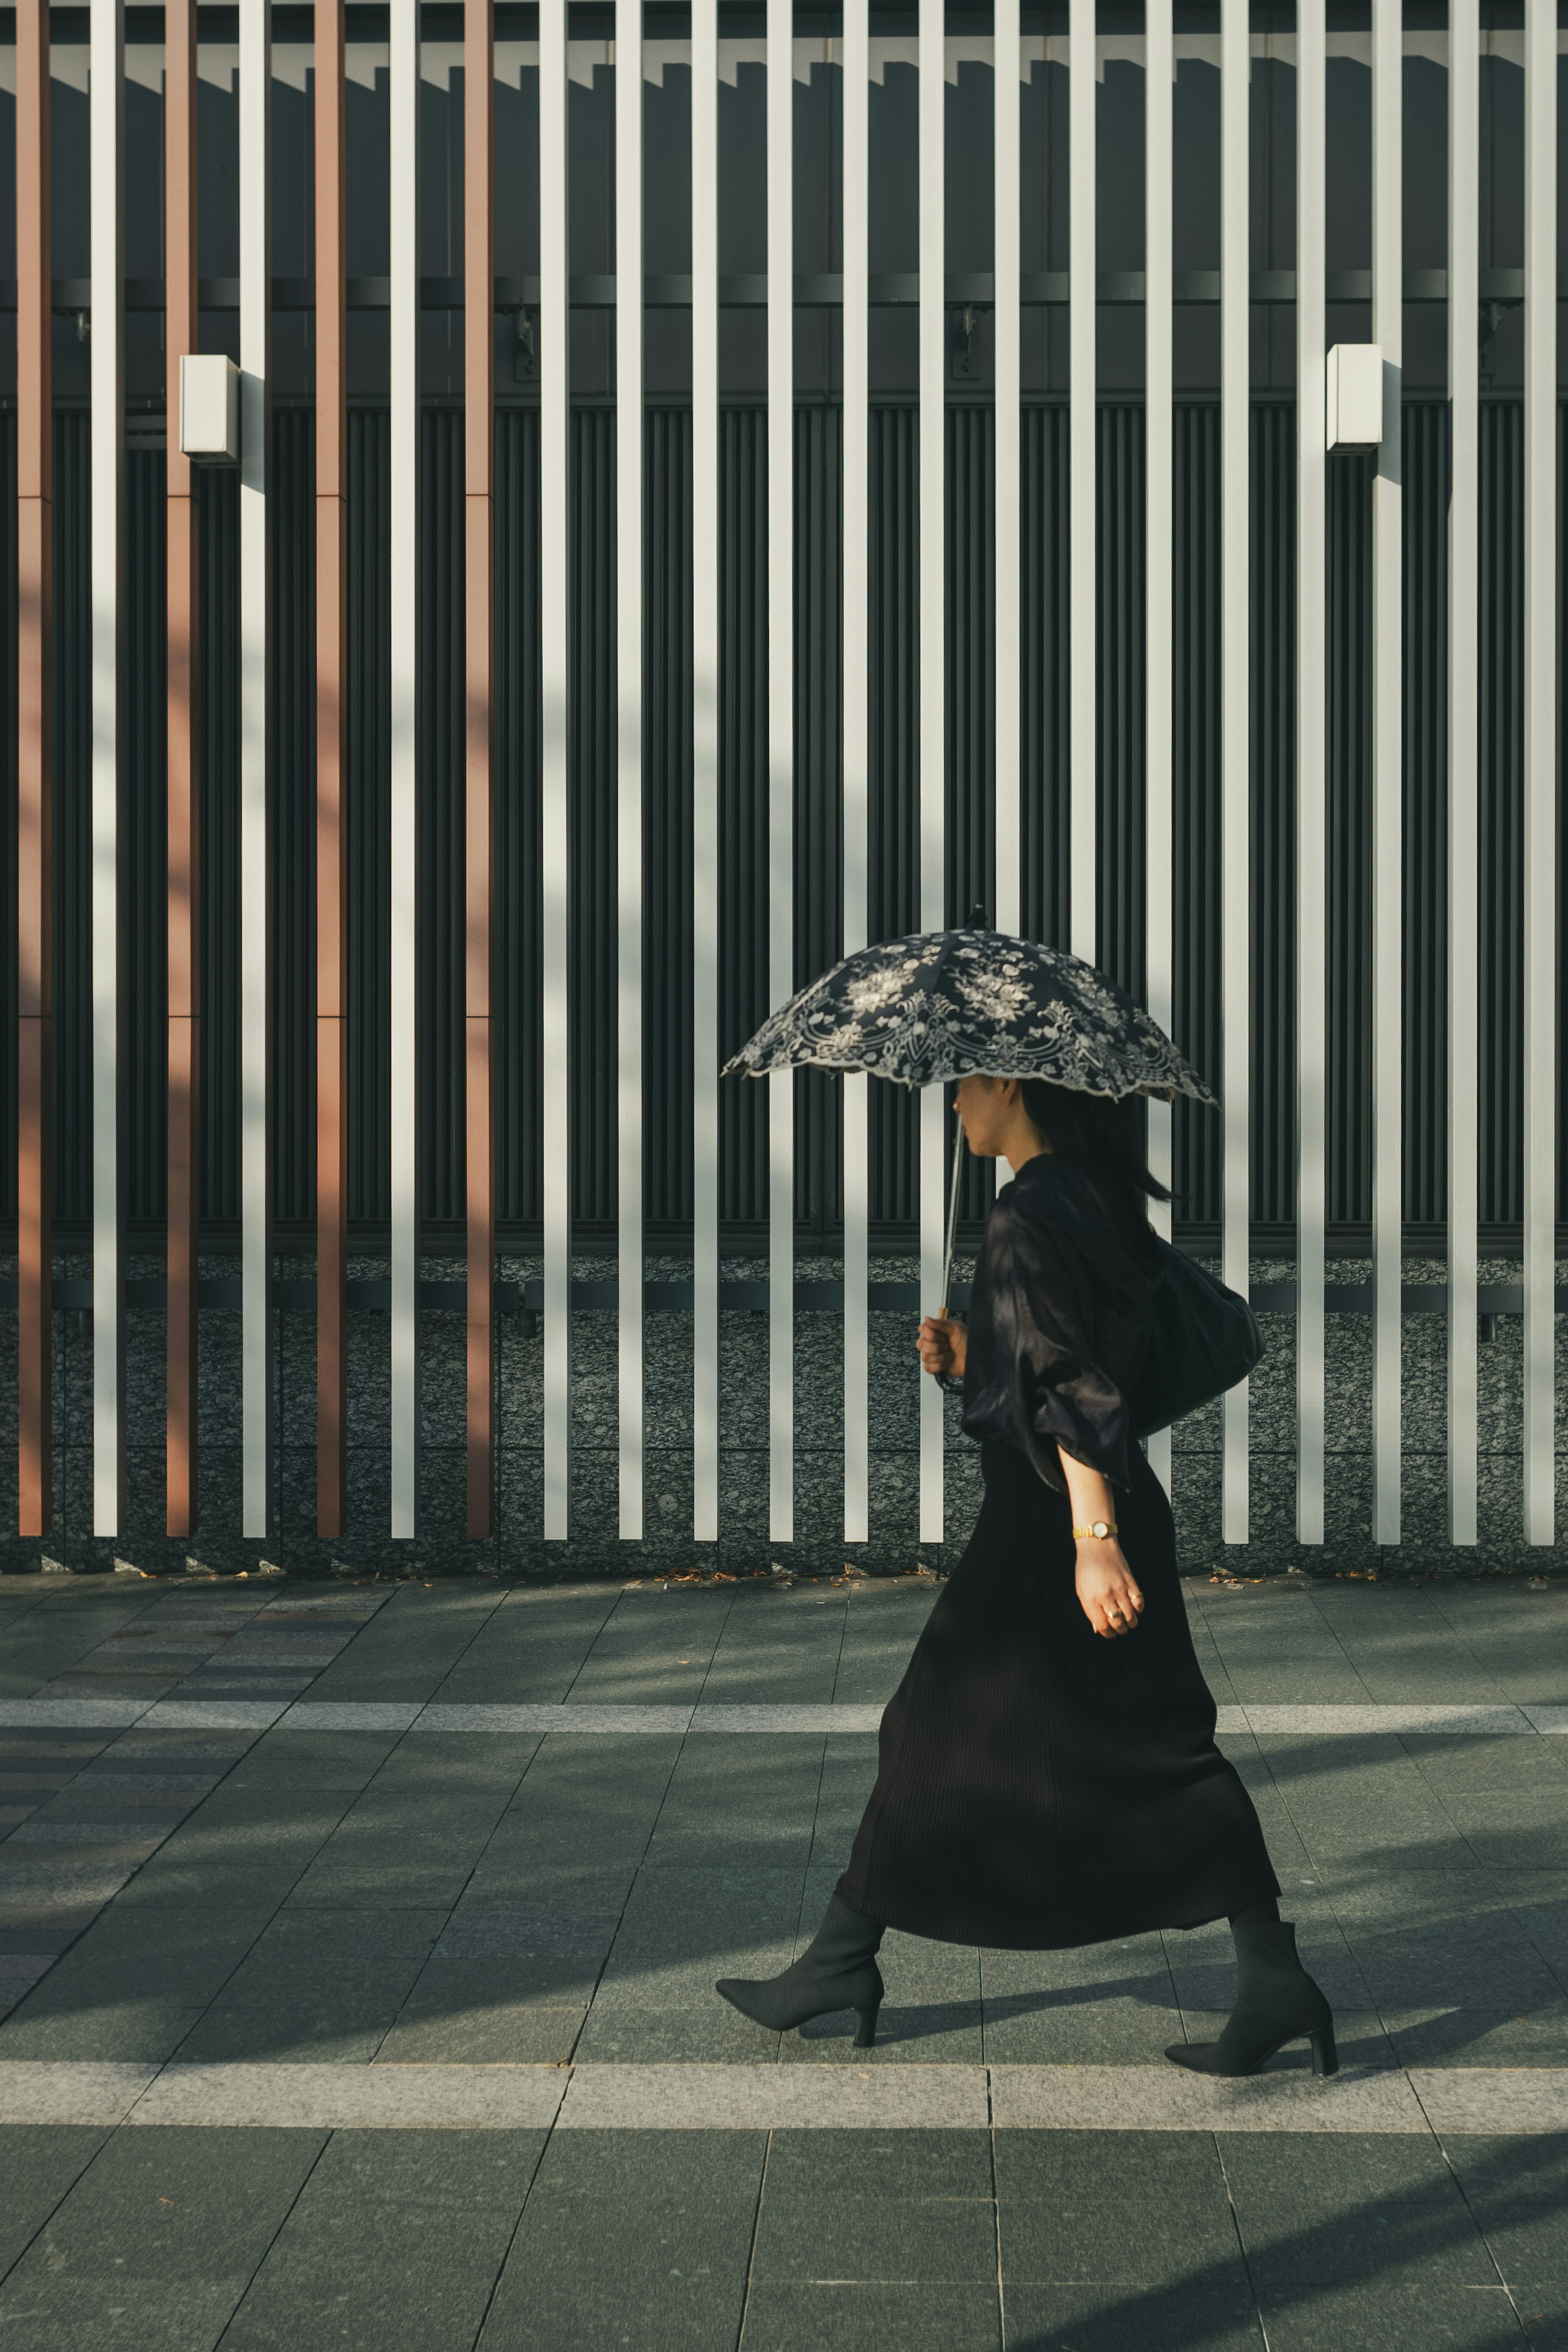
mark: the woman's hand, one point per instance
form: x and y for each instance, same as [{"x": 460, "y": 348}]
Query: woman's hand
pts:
[
  {"x": 943, "y": 1345},
  {"x": 1107, "y": 1592}
]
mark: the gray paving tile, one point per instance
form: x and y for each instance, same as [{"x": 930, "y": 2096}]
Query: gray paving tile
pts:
[
  {"x": 212, "y": 1885},
  {"x": 394, "y": 1887},
  {"x": 180, "y": 1954},
  {"x": 317, "y": 1931},
  {"x": 1518, "y": 2191},
  {"x": 395, "y": 2242},
  {"x": 807, "y": 2233},
  {"x": 1059, "y": 2191},
  {"x": 917, "y": 2162},
  {"x": 39, "y": 2164},
  {"x": 708, "y": 2032},
  {"x": 1396, "y": 2318},
  {"x": 1481, "y": 1959},
  {"x": 1212, "y": 2312},
  {"x": 740, "y": 1802},
  {"x": 1349, "y": 2212},
  {"x": 220, "y": 2037},
  {"x": 1474, "y": 2035},
  {"x": 154, "y": 2246},
  {"x": 144, "y": 2029},
  {"x": 684, "y": 2206},
  {"x": 1131, "y": 1965},
  {"x": 534, "y": 1966},
  {"x": 500, "y": 2034},
  {"x": 682, "y": 1927},
  {"x": 1042, "y": 2029},
  {"x": 279, "y": 1975},
  {"x": 1543, "y": 2316},
  {"x": 852, "y": 2317}
]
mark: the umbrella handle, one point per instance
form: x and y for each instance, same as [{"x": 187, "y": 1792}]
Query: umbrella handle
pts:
[{"x": 951, "y": 1222}]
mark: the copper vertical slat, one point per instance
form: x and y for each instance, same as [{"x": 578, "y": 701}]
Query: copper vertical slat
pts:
[
  {"x": 35, "y": 779},
  {"x": 332, "y": 869},
  {"x": 184, "y": 839},
  {"x": 478, "y": 295}
]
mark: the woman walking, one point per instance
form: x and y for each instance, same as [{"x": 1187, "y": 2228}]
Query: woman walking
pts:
[{"x": 1048, "y": 1768}]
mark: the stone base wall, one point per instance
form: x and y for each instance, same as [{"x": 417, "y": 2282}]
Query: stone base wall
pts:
[{"x": 596, "y": 1547}]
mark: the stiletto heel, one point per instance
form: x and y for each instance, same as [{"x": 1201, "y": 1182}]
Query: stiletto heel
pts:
[
  {"x": 1325, "y": 2057},
  {"x": 865, "y": 2031}
]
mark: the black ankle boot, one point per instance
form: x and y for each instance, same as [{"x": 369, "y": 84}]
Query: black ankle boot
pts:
[
  {"x": 1276, "y": 2002},
  {"x": 836, "y": 1970}
]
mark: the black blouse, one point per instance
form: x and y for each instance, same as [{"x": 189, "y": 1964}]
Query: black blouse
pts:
[{"x": 1059, "y": 1322}]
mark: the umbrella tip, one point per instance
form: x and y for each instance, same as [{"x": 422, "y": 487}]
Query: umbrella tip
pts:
[{"x": 978, "y": 919}]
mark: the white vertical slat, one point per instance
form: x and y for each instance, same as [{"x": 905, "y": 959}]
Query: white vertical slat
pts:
[
  {"x": 934, "y": 1113},
  {"x": 1082, "y": 428},
  {"x": 1234, "y": 896},
  {"x": 554, "y": 375},
  {"x": 403, "y": 62},
  {"x": 106, "y": 34},
  {"x": 1311, "y": 794},
  {"x": 628, "y": 754},
  {"x": 1006, "y": 71},
  {"x": 1464, "y": 806},
  {"x": 1540, "y": 763},
  {"x": 1158, "y": 523},
  {"x": 1388, "y": 749},
  {"x": 255, "y": 860},
  {"x": 856, "y": 526},
  {"x": 705, "y": 764},
  {"x": 781, "y": 759}
]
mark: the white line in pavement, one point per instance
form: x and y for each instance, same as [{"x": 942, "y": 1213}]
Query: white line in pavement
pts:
[
  {"x": 1167, "y": 2098},
  {"x": 356, "y": 2098},
  {"x": 68, "y": 2091},
  {"x": 413, "y": 1714},
  {"x": 831, "y": 2094}
]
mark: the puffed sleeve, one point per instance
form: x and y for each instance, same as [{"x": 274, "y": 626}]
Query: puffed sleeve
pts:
[{"x": 1036, "y": 1380}]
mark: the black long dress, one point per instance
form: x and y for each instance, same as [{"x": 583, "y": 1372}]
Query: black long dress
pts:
[{"x": 1040, "y": 1786}]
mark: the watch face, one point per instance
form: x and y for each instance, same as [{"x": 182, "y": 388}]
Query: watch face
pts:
[{"x": 1101, "y": 1527}]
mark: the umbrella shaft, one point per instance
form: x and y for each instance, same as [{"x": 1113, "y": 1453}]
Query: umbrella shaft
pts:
[{"x": 951, "y": 1222}]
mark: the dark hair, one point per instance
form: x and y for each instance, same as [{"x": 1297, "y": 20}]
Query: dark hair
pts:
[{"x": 1103, "y": 1139}]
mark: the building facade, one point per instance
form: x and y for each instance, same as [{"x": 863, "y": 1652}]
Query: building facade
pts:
[{"x": 710, "y": 487}]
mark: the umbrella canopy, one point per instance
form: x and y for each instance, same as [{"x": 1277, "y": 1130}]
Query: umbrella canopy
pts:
[{"x": 951, "y": 1004}]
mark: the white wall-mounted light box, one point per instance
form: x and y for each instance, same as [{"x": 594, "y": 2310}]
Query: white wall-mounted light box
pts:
[
  {"x": 1355, "y": 396},
  {"x": 209, "y": 409}
]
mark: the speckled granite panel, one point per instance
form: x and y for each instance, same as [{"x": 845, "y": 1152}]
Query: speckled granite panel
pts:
[{"x": 893, "y": 1384}]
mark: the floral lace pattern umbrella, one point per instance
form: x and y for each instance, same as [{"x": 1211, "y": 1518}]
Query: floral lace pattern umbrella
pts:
[{"x": 945, "y": 1004}]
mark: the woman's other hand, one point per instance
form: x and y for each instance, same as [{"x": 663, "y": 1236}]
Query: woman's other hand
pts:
[
  {"x": 1106, "y": 1591},
  {"x": 943, "y": 1345}
]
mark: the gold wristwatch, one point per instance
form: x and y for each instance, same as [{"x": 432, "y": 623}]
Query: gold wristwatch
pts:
[{"x": 1101, "y": 1528}]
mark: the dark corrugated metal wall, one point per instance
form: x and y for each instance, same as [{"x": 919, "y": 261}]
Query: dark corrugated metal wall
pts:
[
  {"x": 73, "y": 786},
  {"x": 892, "y": 471},
  {"x": 1502, "y": 807},
  {"x": 1195, "y": 781},
  {"x": 1273, "y": 811}
]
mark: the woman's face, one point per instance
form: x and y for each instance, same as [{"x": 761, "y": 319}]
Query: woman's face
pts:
[{"x": 985, "y": 1107}]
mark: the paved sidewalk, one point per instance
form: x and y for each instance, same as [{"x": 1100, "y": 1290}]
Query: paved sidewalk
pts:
[{"x": 355, "y": 2003}]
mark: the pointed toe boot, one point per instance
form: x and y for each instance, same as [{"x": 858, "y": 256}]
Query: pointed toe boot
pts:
[
  {"x": 1276, "y": 2002},
  {"x": 836, "y": 1970}
]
